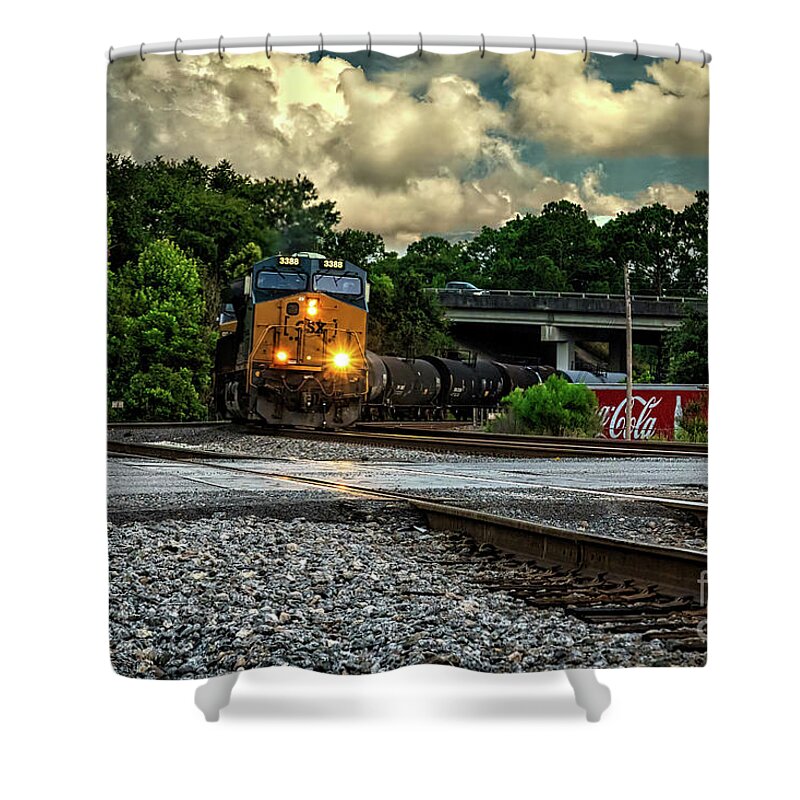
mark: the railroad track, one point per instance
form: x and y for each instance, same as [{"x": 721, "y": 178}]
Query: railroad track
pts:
[
  {"x": 502, "y": 445},
  {"x": 617, "y": 586},
  {"x": 461, "y": 430},
  {"x": 674, "y": 569},
  {"x": 610, "y": 604},
  {"x": 451, "y": 437}
]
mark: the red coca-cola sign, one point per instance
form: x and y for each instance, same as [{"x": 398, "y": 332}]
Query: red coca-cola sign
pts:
[{"x": 656, "y": 410}]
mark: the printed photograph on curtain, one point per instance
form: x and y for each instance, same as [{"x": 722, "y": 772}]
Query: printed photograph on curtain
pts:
[{"x": 407, "y": 362}]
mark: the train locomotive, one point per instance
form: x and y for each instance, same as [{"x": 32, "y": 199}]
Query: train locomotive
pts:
[
  {"x": 292, "y": 352},
  {"x": 292, "y": 343}
]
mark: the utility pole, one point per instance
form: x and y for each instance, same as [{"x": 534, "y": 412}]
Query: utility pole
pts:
[{"x": 628, "y": 354}]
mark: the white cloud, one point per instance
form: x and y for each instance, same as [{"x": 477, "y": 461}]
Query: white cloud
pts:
[
  {"x": 418, "y": 151},
  {"x": 559, "y": 101}
]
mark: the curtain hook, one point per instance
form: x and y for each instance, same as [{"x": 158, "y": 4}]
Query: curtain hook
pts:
[
  {"x": 141, "y": 47},
  {"x": 321, "y": 43},
  {"x": 369, "y": 44},
  {"x": 483, "y": 46},
  {"x": 110, "y": 51},
  {"x": 678, "y": 60},
  {"x": 175, "y": 49},
  {"x": 636, "y": 57},
  {"x": 267, "y": 47},
  {"x": 585, "y": 48},
  {"x": 220, "y": 48},
  {"x": 533, "y": 49},
  {"x": 704, "y": 59},
  {"x": 419, "y": 48}
]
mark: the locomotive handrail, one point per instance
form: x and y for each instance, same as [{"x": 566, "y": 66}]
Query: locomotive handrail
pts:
[{"x": 251, "y": 354}]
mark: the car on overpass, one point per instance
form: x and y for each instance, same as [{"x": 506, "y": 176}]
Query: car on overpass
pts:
[{"x": 463, "y": 287}]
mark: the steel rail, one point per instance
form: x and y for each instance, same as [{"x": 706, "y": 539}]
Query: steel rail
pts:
[
  {"x": 523, "y": 446},
  {"x": 643, "y": 446},
  {"x": 676, "y": 570},
  {"x": 454, "y": 439}
]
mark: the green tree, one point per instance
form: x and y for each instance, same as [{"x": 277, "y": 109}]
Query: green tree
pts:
[
  {"x": 404, "y": 319},
  {"x": 436, "y": 261},
  {"x": 691, "y": 248},
  {"x": 558, "y": 250},
  {"x": 358, "y": 247},
  {"x": 572, "y": 241},
  {"x": 667, "y": 252},
  {"x": 157, "y": 332},
  {"x": 687, "y": 346},
  {"x": 381, "y": 303},
  {"x": 210, "y": 212},
  {"x": 418, "y": 321},
  {"x": 542, "y": 275},
  {"x": 645, "y": 239},
  {"x": 241, "y": 262}
]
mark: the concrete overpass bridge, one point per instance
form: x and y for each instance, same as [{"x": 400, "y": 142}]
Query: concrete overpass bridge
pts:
[{"x": 550, "y": 324}]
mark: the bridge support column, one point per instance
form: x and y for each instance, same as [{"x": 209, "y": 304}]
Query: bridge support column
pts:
[
  {"x": 565, "y": 355},
  {"x": 565, "y": 345}
]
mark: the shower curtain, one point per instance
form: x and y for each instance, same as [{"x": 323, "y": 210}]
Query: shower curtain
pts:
[{"x": 448, "y": 202}]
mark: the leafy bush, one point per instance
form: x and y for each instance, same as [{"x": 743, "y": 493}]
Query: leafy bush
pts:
[
  {"x": 554, "y": 408},
  {"x": 163, "y": 393},
  {"x": 693, "y": 425}
]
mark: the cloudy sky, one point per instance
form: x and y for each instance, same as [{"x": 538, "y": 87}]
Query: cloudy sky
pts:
[{"x": 441, "y": 144}]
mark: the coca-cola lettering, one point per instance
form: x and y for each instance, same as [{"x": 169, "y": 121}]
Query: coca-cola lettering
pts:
[{"x": 643, "y": 422}]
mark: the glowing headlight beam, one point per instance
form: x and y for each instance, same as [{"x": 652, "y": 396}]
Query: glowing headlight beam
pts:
[{"x": 341, "y": 360}]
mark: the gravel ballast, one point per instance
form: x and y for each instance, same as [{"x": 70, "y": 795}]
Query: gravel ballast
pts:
[
  {"x": 367, "y": 589},
  {"x": 234, "y": 440},
  {"x": 212, "y": 571}
]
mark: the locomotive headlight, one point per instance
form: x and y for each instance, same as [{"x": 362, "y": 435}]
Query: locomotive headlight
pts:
[
  {"x": 282, "y": 356},
  {"x": 312, "y": 308},
  {"x": 341, "y": 360}
]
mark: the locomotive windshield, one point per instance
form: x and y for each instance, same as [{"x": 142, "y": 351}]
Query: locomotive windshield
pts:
[
  {"x": 282, "y": 281},
  {"x": 338, "y": 284}
]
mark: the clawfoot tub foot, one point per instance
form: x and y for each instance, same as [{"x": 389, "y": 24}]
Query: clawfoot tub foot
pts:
[
  {"x": 593, "y": 697},
  {"x": 215, "y": 694}
]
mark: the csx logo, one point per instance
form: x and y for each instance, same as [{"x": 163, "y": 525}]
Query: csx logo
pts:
[{"x": 313, "y": 325}]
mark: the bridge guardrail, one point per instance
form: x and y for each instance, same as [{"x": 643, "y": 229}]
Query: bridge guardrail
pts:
[{"x": 578, "y": 295}]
